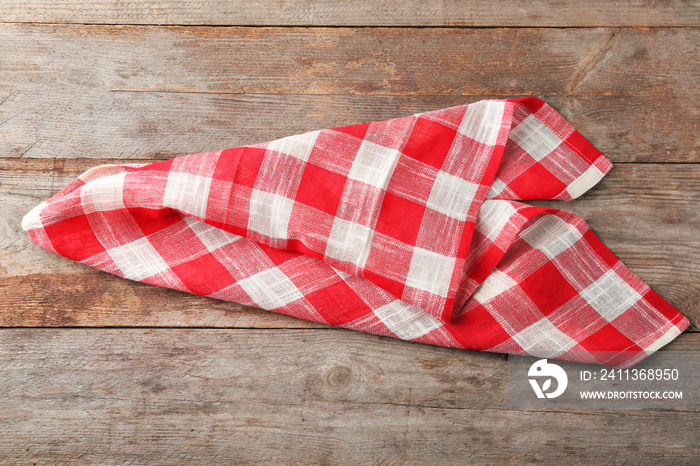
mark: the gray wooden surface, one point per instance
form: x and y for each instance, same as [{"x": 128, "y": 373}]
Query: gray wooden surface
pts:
[
  {"x": 359, "y": 12},
  {"x": 294, "y": 396},
  {"x": 97, "y": 369}
]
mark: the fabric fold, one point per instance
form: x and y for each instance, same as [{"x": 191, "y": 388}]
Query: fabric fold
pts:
[{"x": 409, "y": 228}]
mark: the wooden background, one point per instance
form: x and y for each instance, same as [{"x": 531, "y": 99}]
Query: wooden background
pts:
[{"x": 97, "y": 369}]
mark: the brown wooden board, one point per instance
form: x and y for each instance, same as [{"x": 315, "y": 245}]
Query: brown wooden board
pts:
[
  {"x": 660, "y": 62},
  {"x": 158, "y": 125},
  {"x": 647, "y": 214},
  {"x": 179, "y": 396},
  {"x": 358, "y": 12},
  {"x": 131, "y": 91}
]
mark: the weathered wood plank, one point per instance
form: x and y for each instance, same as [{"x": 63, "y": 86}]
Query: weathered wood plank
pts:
[
  {"x": 294, "y": 397},
  {"x": 647, "y": 214},
  {"x": 658, "y": 62},
  {"x": 358, "y": 13},
  {"x": 57, "y": 123},
  {"x": 621, "y": 87}
]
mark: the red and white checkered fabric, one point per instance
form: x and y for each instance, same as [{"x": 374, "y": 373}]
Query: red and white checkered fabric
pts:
[{"x": 408, "y": 228}]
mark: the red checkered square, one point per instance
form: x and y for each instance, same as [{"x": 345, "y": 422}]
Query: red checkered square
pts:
[
  {"x": 394, "y": 209},
  {"x": 429, "y": 142},
  {"x": 547, "y": 288},
  {"x": 484, "y": 331},
  {"x": 600, "y": 250},
  {"x": 167, "y": 249},
  {"x": 277, "y": 257},
  {"x": 74, "y": 238},
  {"x": 233, "y": 293},
  {"x": 232, "y": 214},
  {"x": 240, "y": 165},
  {"x": 321, "y": 189},
  {"x": 153, "y": 220},
  {"x": 611, "y": 339},
  {"x": 536, "y": 183},
  {"x": 338, "y": 303},
  {"x": 203, "y": 275}
]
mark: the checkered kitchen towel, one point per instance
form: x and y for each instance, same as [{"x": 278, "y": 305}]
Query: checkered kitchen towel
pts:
[{"x": 409, "y": 228}]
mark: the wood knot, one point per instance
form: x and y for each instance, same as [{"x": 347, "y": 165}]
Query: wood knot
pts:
[{"x": 339, "y": 377}]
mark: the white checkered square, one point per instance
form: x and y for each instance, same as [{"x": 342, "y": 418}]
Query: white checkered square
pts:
[
  {"x": 202, "y": 164},
  {"x": 298, "y": 146},
  {"x": 493, "y": 217},
  {"x": 482, "y": 121},
  {"x": 269, "y": 214},
  {"x": 213, "y": 238},
  {"x": 551, "y": 235},
  {"x": 270, "y": 289},
  {"x": 32, "y": 220},
  {"x": 666, "y": 338},
  {"x": 103, "y": 194},
  {"x": 544, "y": 340},
  {"x": 138, "y": 260},
  {"x": 451, "y": 195},
  {"x": 610, "y": 295},
  {"x": 584, "y": 182},
  {"x": 374, "y": 164},
  {"x": 187, "y": 193},
  {"x": 406, "y": 321},
  {"x": 496, "y": 283},
  {"x": 534, "y": 137},
  {"x": 430, "y": 271},
  {"x": 496, "y": 188},
  {"x": 349, "y": 242}
]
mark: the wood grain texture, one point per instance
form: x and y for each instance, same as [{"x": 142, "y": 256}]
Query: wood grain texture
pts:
[
  {"x": 124, "y": 92},
  {"x": 358, "y": 12},
  {"x": 64, "y": 124},
  {"x": 295, "y": 396},
  {"x": 657, "y": 63},
  {"x": 232, "y": 384},
  {"x": 647, "y": 214}
]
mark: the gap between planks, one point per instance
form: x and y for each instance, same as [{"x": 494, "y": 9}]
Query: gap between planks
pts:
[{"x": 341, "y": 26}]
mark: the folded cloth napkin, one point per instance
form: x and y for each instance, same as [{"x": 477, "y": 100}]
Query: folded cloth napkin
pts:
[{"x": 408, "y": 228}]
